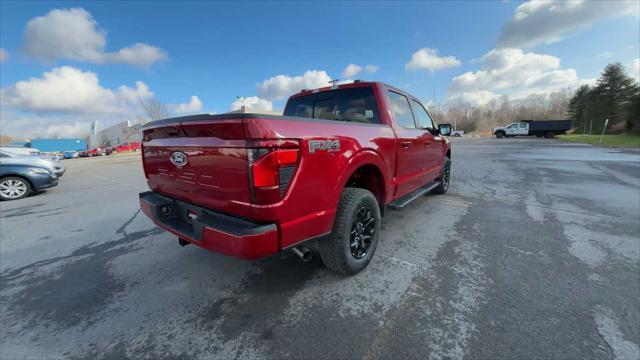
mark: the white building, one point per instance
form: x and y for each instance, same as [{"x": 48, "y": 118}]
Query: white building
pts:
[{"x": 118, "y": 134}]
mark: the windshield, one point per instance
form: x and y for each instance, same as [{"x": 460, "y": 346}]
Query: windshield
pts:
[{"x": 354, "y": 105}]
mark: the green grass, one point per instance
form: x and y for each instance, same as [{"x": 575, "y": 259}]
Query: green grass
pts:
[{"x": 625, "y": 140}]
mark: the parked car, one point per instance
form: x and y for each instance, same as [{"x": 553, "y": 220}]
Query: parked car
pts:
[
  {"x": 97, "y": 151},
  {"x": 70, "y": 154},
  {"x": 318, "y": 178},
  {"x": 457, "y": 133},
  {"x": 19, "y": 180},
  {"x": 54, "y": 166},
  {"x": 546, "y": 128},
  {"x": 19, "y": 150},
  {"x": 134, "y": 146}
]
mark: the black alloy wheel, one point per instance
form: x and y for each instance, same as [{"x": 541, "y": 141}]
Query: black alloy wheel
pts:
[{"x": 362, "y": 232}]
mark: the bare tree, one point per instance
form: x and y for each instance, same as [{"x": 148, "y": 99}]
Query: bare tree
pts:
[
  {"x": 5, "y": 139},
  {"x": 501, "y": 111},
  {"x": 152, "y": 109}
]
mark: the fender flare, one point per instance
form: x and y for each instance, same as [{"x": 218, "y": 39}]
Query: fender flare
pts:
[{"x": 363, "y": 157}]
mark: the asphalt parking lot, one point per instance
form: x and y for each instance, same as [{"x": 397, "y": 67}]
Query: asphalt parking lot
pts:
[{"x": 533, "y": 253}]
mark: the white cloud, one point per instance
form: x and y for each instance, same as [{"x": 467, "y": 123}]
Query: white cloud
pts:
[
  {"x": 515, "y": 73},
  {"x": 351, "y": 70},
  {"x": 371, "y": 68},
  {"x": 4, "y": 55},
  {"x": 69, "y": 90},
  {"x": 39, "y": 125},
  {"x": 635, "y": 69},
  {"x": 253, "y": 103},
  {"x": 547, "y": 21},
  {"x": 428, "y": 59},
  {"x": 354, "y": 69},
  {"x": 480, "y": 97},
  {"x": 193, "y": 106},
  {"x": 606, "y": 54},
  {"x": 139, "y": 54},
  {"x": 73, "y": 34},
  {"x": 281, "y": 86}
]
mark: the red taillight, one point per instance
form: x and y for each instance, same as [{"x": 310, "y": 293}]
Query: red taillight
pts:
[
  {"x": 266, "y": 169},
  {"x": 273, "y": 165}
]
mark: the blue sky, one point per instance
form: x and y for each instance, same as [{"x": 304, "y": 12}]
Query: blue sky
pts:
[{"x": 216, "y": 51}]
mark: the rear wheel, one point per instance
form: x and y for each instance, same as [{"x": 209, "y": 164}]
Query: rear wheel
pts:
[
  {"x": 14, "y": 188},
  {"x": 114, "y": 152},
  {"x": 549, "y": 135},
  {"x": 355, "y": 233}
]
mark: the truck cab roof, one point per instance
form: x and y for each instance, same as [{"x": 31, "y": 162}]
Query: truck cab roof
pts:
[{"x": 354, "y": 84}]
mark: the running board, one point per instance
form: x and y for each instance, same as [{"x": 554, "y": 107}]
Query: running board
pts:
[{"x": 405, "y": 200}]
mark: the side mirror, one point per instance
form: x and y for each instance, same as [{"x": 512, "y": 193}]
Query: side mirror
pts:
[{"x": 444, "y": 129}]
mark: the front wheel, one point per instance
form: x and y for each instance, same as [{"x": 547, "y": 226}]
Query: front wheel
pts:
[
  {"x": 14, "y": 188},
  {"x": 500, "y": 134},
  {"x": 355, "y": 233}
]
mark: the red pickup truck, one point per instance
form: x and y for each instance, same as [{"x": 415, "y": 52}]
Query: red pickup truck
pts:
[{"x": 317, "y": 178}]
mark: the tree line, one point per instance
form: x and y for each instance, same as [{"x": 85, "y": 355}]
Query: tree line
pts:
[
  {"x": 501, "y": 111},
  {"x": 614, "y": 96}
]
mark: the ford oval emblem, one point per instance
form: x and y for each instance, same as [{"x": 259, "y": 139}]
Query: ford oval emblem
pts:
[{"x": 178, "y": 159}]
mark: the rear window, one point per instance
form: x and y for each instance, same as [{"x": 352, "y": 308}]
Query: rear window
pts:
[{"x": 353, "y": 105}]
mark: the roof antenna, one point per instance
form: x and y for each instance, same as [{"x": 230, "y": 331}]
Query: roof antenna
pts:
[{"x": 334, "y": 82}]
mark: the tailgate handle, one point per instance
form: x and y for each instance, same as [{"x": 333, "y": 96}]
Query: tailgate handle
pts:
[{"x": 405, "y": 144}]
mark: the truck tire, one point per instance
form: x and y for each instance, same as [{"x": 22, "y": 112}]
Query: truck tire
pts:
[
  {"x": 549, "y": 135},
  {"x": 500, "y": 134},
  {"x": 355, "y": 234},
  {"x": 445, "y": 177}
]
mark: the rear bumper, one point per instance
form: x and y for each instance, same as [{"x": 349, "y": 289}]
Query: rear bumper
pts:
[{"x": 211, "y": 230}]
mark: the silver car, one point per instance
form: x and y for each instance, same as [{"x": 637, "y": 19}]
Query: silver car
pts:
[{"x": 55, "y": 166}]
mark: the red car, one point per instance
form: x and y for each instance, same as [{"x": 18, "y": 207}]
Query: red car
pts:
[
  {"x": 318, "y": 178},
  {"x": 134, "y": 146},
  {"x": 95, "y": 152}
]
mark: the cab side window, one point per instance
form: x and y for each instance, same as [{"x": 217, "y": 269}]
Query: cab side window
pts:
[
  {"x": 422, "y": 116},
  {"x": 401, "y": 110}
]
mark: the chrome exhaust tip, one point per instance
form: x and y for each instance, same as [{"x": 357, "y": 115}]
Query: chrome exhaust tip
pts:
[{"x": 303, "y": 253}]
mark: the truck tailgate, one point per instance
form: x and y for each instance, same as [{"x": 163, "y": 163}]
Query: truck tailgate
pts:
[{"x": 202, "y": 161}]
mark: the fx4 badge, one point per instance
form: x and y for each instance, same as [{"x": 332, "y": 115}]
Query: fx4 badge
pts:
[{"x": 326, "y": 145}]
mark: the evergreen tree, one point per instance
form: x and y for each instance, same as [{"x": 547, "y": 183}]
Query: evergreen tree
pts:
[
  {"x": 578, "y": 106},
  {"x": 633, "y": 119},
  {"x": 615, "y": 90}
]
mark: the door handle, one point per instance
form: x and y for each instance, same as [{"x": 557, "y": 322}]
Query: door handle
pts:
[
  {"x": 428, "y": 143},
  {"x": 405, "y": 144}
]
